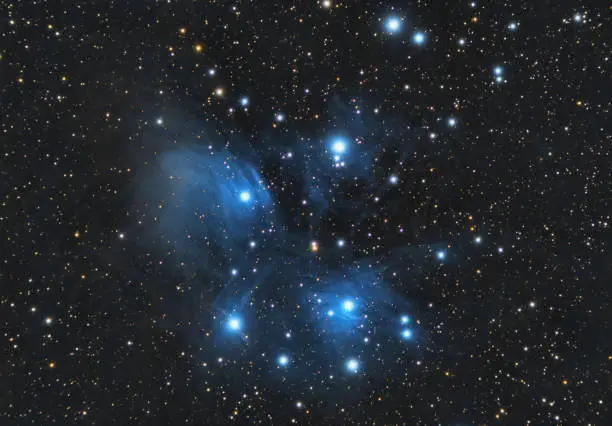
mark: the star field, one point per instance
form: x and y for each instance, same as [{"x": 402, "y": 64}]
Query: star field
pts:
[{"x": 316, "y": 213}]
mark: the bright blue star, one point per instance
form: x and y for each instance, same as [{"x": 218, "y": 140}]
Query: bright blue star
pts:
[
  {"x": 245, "y": 196},
  {"x": 452, "y": 122},
  {"x": 393, "y": 24},
  {"x": 234, "y": 323},
  {"x": 512, "y": 26},
  {"x": 339, "y": 146},
  {"x": 406, "y": 334},
  {"x": 498, "y": 70},
  {"x": 330, "y": 313},
  {"x": 393, "y": 179},
  {"x": 418, "y": 38},
  {"x": 234, "y": 272},
  {"x": 441, "y": 254},
  {"x": 340, "y": 243},
  {"x": 244, "y": 101},
  {"x": 348, "y": 305},
  {"x": 282, "y": 360},
  {"x": 499, "y": 79},
  {"x": 352, "y": 365},
  {"x": 478, "y": 239},
  {"x": 405, "y": 319}
]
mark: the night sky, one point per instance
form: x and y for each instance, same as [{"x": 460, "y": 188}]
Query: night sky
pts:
[{"x": 310, "y": 212}]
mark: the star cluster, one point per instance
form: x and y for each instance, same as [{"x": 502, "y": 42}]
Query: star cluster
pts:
[{"x": 307, "y": 213}]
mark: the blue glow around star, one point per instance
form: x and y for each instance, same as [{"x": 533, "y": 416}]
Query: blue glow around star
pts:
[
  {"x": 405, "y": 319},
  {"x": 418, "y": 38},
  {"x": 339, "y": 146},
  {"x": 282, "y": 360},
  {"x": 234, "y": 323},
  {"x": 245, "y": 196},
  {"x": 348, "y": 305},
  {"x": 352, "y": 365},
  {"x": 393, "y": 24},
  {"x": 406, "y": 334},
  {"x": 452, "y": 122},
  {"x": 244, "y": 101},
  {"x": 498, "y": 70},
  {"x": 441, "y": 255},
  {"x": 393, "y": 179},
  {"x": 340, "y": 243}
]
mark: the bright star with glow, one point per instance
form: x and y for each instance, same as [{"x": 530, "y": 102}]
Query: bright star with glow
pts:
[
  {"x": 499, "y": 79},
  {"x": 330, "y": 313},
  {"x": 404, "y": 319},
  {"x": 441, "y": 255},
  {"x": 352, "y": 365},
  {"x": 234, "y": 324},
  {"x": 245, "y": 196},
  {"x": 498, "y": 70},
  {"x": 282, "y": 360},
  {"x": 478, "y": 239},
  {"x": 461, "y": 42},
  {"x": 244, "y": 101},
  {"x": 452, "y": 122},
  {"x": 340, "y": 243},
  {"x": 577, "y": 17},
  {"x": 279, "y": 117},
  {"x": 339, "y": 146},
  {"x": 348, "y": 305},
  {"x": 512, "y": 26},
  {"x": 393, "y": 24},
  {"x": 418, "y": 38},
  {"x": 406, "y": 334},
  {"x": 393, "y": 179},
  {"x": 159, "y": 121}
]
